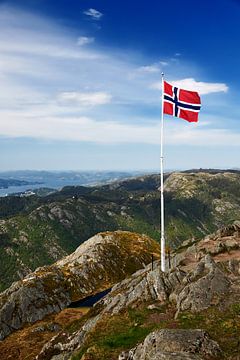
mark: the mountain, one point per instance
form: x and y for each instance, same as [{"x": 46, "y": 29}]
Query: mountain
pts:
[
  {"x": 37, "y": 231},
  {"x": 190, "y": 312},
  {"x": 95, "y": 266}
]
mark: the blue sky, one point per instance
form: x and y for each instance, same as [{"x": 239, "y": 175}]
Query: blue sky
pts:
[{"x": 80, "y": 83}]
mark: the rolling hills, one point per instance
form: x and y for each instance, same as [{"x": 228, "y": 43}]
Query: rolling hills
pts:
[{"x": 37, "y": 231}]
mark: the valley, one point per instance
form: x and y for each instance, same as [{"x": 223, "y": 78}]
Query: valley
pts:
[{"x": 36, "y": 231}]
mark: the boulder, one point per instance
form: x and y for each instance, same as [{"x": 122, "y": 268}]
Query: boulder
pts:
[
  {"x": 174, "y": 344},
  {"x": 204, "y": 286}
]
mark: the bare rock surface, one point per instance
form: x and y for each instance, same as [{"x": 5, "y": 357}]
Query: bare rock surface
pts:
[
  {"x": 193, "y": 291},
  {"x": 222, "y": 245},
  {"x": 96, "y": 265},
  {"x": 207, "y": 276},
  {"x": 172, "y": 344},
  {"x": 199, "y": 281},
  {"x": 196, "y": 290}
]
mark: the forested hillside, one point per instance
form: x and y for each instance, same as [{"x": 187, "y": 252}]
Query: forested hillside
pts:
[{"x": 36, "y": 231}]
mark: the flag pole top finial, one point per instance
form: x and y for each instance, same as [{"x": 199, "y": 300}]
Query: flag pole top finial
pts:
[{"x": 162, "y": 74}]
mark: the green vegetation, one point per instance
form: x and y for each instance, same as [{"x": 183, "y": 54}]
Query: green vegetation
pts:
[
  {"x": 222, "y": 325},
  {"x": 138, "y": 225},
  {"x": 13, "y": 205},
  {"x": 37, "y": 231},
  {"x": 115, "y": 334},
  {"x": 124, "y": 331}
]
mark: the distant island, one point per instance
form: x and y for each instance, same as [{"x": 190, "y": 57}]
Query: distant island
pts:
[{"x": 5, "y": 183}]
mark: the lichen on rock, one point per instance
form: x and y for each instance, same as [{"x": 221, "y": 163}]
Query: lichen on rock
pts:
[
  {"x": 96, "y": 265},
  {"x": 173, "y": 344}
]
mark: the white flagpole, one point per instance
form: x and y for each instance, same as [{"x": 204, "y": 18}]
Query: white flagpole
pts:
[{"x": 161, "y": 184}]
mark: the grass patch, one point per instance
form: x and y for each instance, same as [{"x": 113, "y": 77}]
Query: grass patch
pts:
[
  {"x": 125, "y": 339},
  {"x": 114, "y": 334},
  {"x": 223, "y": 326}
]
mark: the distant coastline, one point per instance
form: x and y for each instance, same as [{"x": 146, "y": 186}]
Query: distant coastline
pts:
[{"x": 15, "y": 182}]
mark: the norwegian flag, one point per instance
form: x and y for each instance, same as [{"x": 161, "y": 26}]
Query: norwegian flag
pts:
[{"x": 181, "y": 103}]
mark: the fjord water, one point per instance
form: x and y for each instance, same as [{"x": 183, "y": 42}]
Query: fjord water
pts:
[{"x": 57, "y": 180}]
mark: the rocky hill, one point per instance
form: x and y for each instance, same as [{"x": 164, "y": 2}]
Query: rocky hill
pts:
[
  {"x": 38, "y": 231},
  {"x": 96, "y": 265},
  {"x": 191, "y": 312}
]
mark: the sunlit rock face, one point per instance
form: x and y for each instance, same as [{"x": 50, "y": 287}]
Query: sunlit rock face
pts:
[{"x": 96, "y": 265}]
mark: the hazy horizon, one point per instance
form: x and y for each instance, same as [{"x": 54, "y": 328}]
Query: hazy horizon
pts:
[{"x": 116, "y": 171}]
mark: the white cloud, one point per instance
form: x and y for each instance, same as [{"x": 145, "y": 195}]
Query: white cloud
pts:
[
  {"x": 43, "y": 47},
  {"x": 76, "y": 129},
  {"x": 153, "y": 68},
  {"x": 82, "y": 128},
  {"x": 164, "y": 63},
  {"x": 24, "y": 34},
  {"x": 84, "y": 40},
  {"x": 93, "y": 13},
  {"x": 149, "y": 69},
  {"x": 42, "y": 64},
  {"x": 194, "y": 136},
  {"x": 191, "y": 84},
  {"x": 43, "y": 60},
  {"x": 85, "y": 99},
  {"x": 201, "y": 87}
]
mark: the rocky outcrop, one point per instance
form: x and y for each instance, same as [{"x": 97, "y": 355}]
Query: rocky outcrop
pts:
[
  {"x": 179, "y": 344},
  {"x": 208, "y": 276},
  {"x": 223, "y": 245},
  {"x": 96, "y": 265},
  {"x": 201, "y": 280},
  {"x": 185, "y": 289},
  {"x": 31, "y": 299},
  {"x": 190, "y": 184},
  {"x": 196, "y": 290}
]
